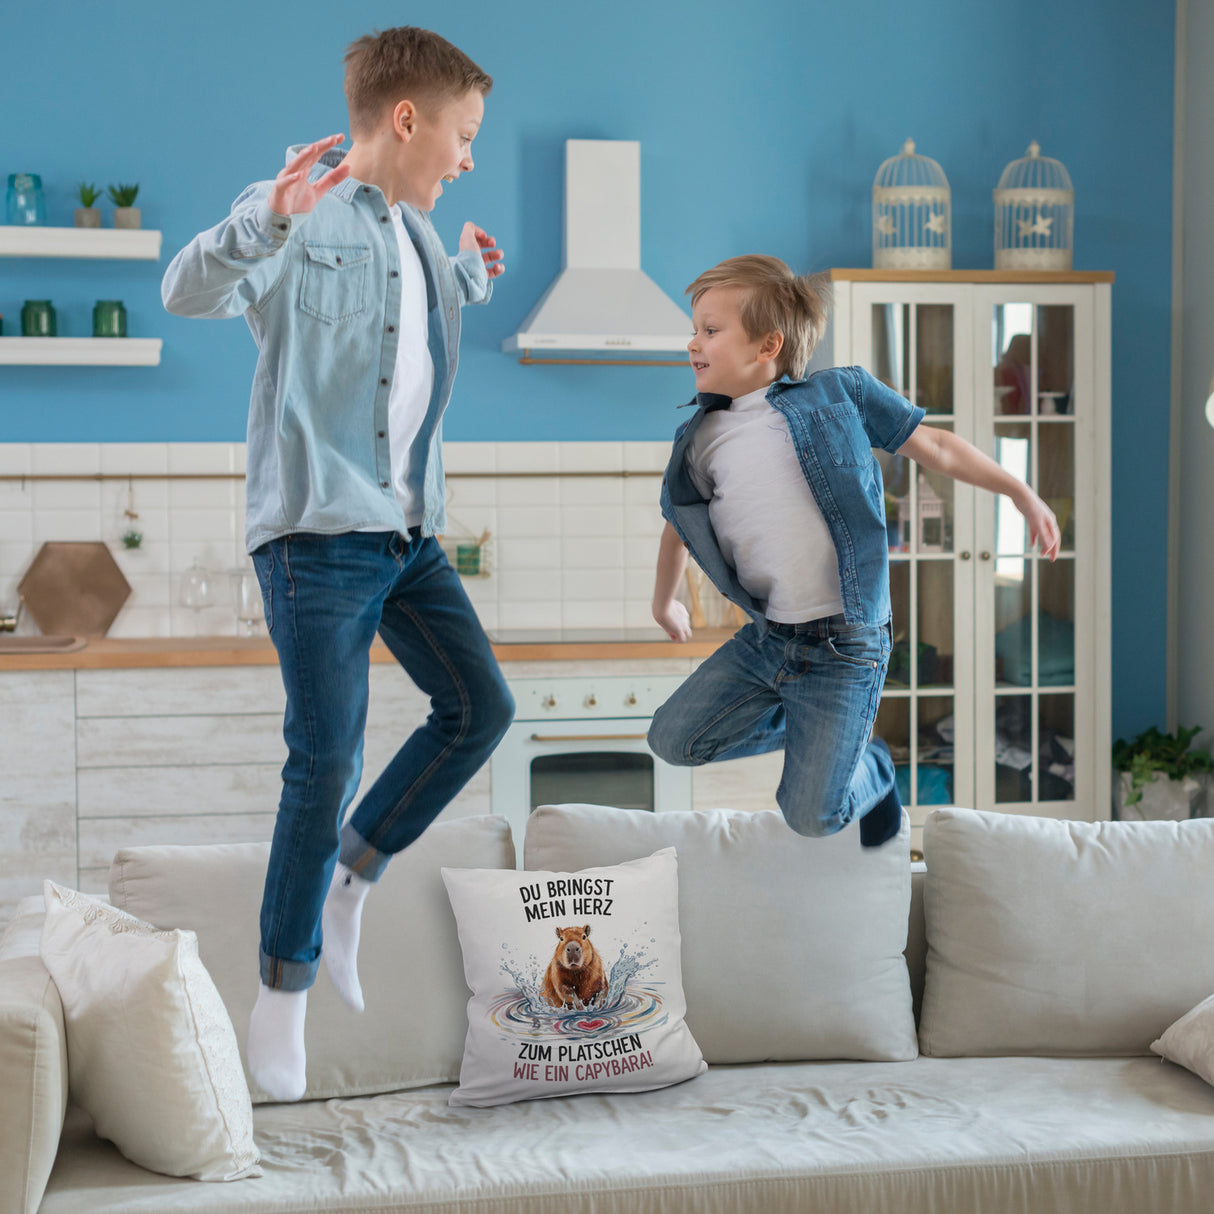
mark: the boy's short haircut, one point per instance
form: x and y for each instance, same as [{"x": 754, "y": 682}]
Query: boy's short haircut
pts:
[
  {"x": 388, "y": 66},
  {"x": 775, "y": 299}
]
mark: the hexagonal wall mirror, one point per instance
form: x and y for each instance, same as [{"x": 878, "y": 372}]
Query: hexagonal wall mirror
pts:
[{"x": 76, "y": 589}]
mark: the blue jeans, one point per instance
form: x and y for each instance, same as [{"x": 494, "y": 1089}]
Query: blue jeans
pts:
[
  {"x": 325, "y": 599},
  {"x": 812, "y": 689}
]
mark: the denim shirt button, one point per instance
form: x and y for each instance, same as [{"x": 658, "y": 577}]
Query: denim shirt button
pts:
[
  {"x": 383, "y": 484},
  {"x": 383, "y": 219},
  {"x": 391, "y": 328},
  {"x": 450, "y": 313},
  {"x": 384, "y": 382},
  {"x": 379, "y": 434}
]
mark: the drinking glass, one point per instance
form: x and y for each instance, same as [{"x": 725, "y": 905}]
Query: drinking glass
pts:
[
  {"x": 249, "y": 609},
  {"x": 197, "y": 592}
]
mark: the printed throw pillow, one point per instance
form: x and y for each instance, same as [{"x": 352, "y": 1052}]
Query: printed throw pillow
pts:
[
  {"x": 152, "y": 1056},
  {"x": 576, "y": 981}
]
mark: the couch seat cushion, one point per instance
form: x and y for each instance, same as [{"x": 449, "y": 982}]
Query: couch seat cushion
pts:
[{"x": 999, "y": 1135}]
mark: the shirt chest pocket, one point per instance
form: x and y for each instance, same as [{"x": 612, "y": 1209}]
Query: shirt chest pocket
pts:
[
  {"x": 334, "y": 283},
  {"x": 843, "y": 436}
]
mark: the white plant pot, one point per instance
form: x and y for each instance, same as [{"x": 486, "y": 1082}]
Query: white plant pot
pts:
[
  {"x": 1163, "y": 799},
  {"x": 88, "y": 217},
  {"x": 128, "y": 217}
]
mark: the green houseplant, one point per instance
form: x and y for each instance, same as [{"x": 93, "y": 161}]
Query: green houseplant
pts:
[
  {"x": 1161, "y": 775},
  {"x": 126, "y": 214},
  {"x": 87, "y": 215}
]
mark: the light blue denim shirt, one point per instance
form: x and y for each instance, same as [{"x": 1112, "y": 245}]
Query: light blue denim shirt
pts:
[
  {"x": 321, "y": 294},
  {"x": 835, "y": 418}
]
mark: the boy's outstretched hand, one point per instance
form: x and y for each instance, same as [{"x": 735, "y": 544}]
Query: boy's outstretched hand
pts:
[
  {"x": 293, "y": 193},
  {"x": 1043, "y": 526},
  {"x": 473, "y": 237}
]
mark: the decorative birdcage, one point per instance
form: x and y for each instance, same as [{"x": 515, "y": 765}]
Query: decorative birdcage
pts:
[
  {"x": 1034, "y": 214},
  {"x": 912, "y": 214}
]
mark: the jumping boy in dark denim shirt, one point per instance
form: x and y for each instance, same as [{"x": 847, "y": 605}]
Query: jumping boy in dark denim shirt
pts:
[{"x": 773, "y": 487}]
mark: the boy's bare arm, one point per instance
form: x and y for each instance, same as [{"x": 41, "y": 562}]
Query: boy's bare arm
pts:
[
  {"x": 672, "y": 564},
  {"x": 943, "y": 451}
]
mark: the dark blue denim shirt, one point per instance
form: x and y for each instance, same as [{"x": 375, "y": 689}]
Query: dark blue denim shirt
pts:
[{"x": 835, "y": 418}]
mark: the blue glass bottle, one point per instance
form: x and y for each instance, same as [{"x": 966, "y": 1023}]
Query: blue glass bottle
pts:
[{"x": 26, "y": 203}]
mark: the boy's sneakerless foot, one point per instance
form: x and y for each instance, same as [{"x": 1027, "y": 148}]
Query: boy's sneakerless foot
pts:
[
  {"x": 884, "y": 820},
  {"x": 277, "y": 1060},
  {"x": 340, "y": 925}
]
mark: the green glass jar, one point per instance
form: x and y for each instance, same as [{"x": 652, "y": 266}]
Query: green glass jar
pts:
[
  {"x": 109, "y": 318},
  {"x": 38, "y": 318}
]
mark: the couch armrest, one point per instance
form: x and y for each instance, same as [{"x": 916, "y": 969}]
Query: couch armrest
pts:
[{"x": 33, "y": 1066}]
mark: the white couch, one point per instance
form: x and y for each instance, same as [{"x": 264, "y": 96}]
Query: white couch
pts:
[{"x": 1105, "y": 1126}]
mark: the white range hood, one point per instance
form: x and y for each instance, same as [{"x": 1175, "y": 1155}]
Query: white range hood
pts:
[{"x": 602, "y": 300}]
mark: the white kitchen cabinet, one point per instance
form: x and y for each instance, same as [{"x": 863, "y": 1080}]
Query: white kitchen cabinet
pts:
[{"x": 998, "y": 690}]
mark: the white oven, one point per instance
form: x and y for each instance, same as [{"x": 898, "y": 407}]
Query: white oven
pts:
[{"x": 582, "y": 738}]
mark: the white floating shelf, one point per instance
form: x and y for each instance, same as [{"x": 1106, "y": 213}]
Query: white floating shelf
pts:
[
  {"x": 115, "y": 243},
  {"x": 80, "y": 351}
]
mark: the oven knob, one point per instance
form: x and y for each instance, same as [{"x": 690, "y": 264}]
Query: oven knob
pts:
[
  {"x": 630, "y": 699},
  {"x": 548, "y": 702},
  {"x": 591, "y": 701}
]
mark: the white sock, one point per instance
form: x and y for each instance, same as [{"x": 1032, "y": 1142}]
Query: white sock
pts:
[
  {"x": 340, "y": 923},
  {"x": 277, "y": 1059}
]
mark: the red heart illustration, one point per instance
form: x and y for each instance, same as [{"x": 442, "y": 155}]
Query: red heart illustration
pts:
[{"x": 590, "y": 1025}]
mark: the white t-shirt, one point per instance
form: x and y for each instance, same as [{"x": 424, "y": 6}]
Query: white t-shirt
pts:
[
  {"x": 765, "y": 516},
  {"x": 413, "y": 375}
]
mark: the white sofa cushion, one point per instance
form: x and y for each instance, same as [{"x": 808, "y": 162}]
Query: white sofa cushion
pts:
[
  {"x": 33, "y": 1062},
  {"x": 1190, "y": 1041},
  {"x": 1063, "y": 938},
  {"x": 576, "y": 981},
  {"x": 792, "y": 947},
  {"x": 152, "y": 1057},
  {"x": 412, "y": 1032}
]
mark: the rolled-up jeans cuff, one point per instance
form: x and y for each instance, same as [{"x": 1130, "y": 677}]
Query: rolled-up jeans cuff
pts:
[
  {"x": 283, "y": 975},
  {"x": 359, "y": 856}
]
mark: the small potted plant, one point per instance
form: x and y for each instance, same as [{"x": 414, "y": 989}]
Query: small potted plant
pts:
[
  {"x": 87, "y": 215},
  {"x": 126, "y": 214},
  {"x": 1161, "y": 775}
]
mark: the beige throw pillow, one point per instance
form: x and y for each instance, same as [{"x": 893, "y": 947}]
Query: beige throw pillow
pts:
[
  {"x": 1190, "y": 1041},
  {"x": 152, "y": 1057}
]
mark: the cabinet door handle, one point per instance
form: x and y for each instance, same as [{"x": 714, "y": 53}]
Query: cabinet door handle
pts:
[
  {"x": 986, "y": 556},
  {"x": 965, "y": 556}
]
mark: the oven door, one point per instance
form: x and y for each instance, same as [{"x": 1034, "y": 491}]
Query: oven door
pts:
[{"x": 598, "y": 762}]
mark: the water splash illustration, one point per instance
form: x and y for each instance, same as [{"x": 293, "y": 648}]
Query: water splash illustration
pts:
[{"x": 626, "y": 1005}]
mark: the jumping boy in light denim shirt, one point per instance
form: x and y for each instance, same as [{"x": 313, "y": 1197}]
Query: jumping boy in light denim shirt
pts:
[
  {"x": 355, "y": 308},
  {"x": 773, "y": 487}
]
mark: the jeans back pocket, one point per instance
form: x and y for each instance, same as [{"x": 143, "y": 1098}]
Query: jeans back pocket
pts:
[{"x": 334, "y": 283}]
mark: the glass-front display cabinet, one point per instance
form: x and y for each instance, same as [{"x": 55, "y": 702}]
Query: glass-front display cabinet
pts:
[{"x": 997, "y": 695}]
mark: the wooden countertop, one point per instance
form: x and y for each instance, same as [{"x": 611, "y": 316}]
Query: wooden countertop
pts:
[{"x": 115, "y": 654}]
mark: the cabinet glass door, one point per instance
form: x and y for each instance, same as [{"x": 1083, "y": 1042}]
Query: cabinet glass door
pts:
[
  {"x": 918, "y": 341},
  {"x": 1027, "y": 674}
]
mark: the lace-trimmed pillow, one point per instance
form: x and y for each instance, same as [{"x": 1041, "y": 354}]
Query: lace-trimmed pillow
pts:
[{"x": 152, "y": 1056}]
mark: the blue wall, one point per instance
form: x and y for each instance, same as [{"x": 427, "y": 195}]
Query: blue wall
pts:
[{"x": 761, "y": 129}]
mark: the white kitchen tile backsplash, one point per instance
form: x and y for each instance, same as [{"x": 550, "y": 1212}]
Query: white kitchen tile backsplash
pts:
[{"x": 574, "y": 526}]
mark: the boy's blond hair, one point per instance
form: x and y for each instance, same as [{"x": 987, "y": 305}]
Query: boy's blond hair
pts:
[
  {"x": 385, "y": 67},
  {"x": 775, "y": 299}
]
